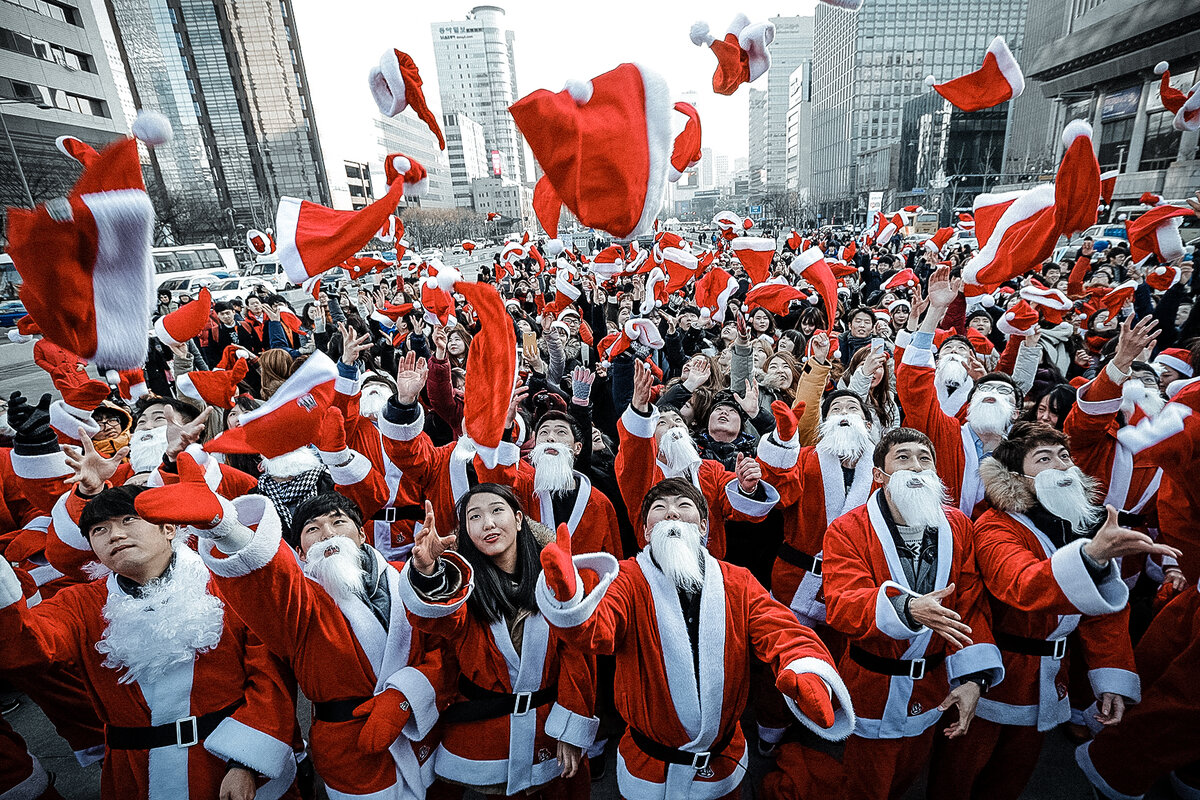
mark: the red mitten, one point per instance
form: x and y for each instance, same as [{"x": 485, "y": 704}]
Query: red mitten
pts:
[
  {"x": 387, "y": 713},
  {"x": 332, "y": 437},
  {"x": 558, "y": 567},
  {"x": 68, "y": 372},
  {"x": 785, "y": 420},
  {"x": 809, "y": 693},
  {"x": 189, "y": 502}
]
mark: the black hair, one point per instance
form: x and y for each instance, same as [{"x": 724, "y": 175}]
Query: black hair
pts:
[
  {"x": 1001, "y": 377},
  {"x": 318, "y": 505},
  {"x": 186, "y": 410},
  {"x": 496, "y": 596},
  {"x": 109, "y": 504},
  {"x": 1021, "y": 439},
  {"x": 222, "y": 305},
  {"x": 896, "y": 437},
  {"x": 560, "y": 416},
  {"x": 854, "y": 312},
  {"x": 275, "y": 299},
  {"x": 674, "y": 487},
  {"x": 1061, "y": 399},
  {"x": 828, "y": 399}
]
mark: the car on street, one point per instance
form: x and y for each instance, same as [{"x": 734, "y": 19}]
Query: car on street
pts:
[{"x": 10, "y": 312}]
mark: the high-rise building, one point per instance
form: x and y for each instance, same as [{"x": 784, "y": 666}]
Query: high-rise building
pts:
[
  {"x": 477, "y": 75},
  {"x": 229, "y": 75},
  {"x": 706, "y": 168},
  {"x": 55, "y": 80},
  {"x": 791, "y": 49},
  {"x": 799, "y": 129},
  {"x": 405, "y": 133},
  {"x": 467, "y": 154},
  {"x": 506, "y": 197},
  {"x": 720, "y": 169},
  {"x": 358, "y": 192},
  {"x": 758, "y": 130},
  {"x": 867, "y": 64}
]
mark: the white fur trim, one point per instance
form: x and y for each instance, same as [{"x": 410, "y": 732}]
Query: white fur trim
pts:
[
  {"x": 779, "y": 456},
  {"x": 354, "y": 472},
  {"x": 10, "y": 587},
  {"x": 447, "y": 277},
  {"x": 387, "y": 85},
  {"x": 1118, "y": 681},
  {"x": 1161, "y": 67},
  {"x": 749, "y": 506},
  {"x": 160, "y": 332},
  {"x": 421, "y": 697},
  {"x": 567, "y": 726},
  {"x": 401, "y": 164},
  {"x": 639, "y": 425},
  {"x": 415, "y": 605},
  {"x": 152, "y": 127},
  {"x": 580, "y": 90},
  {"x": 263, "y": 753},
  {"x": 806, "y": 259},
  {"x": 1077, "y": 584},
  {"x": 659, "y": 139},
  {"x": 917, "y": 356},
  {"x": 287, "y": 220},
  {"x": 1009, "y": 67},
  {"x": 66, "y": 529},
  {"x": 980, "y": 657},
  {"x": 886, "y": 617},
  {"x": 1177, "y": 364},
  {"x": 121, "y": 276},
  {"x": 578, "y": 609},
  {"x": 403, "y": 432},
  {"x": 47, "y": 465},
  {"x": 1096, "y": 408},
  {"x": 1024, "y": 205},
  {"x": 1154, "y": 430},
  {"x": 259, "y": 550},
  {"x": 700, "y": 35},
  {"x": 843, "y": 716},
  {"x": 349, "y": 386},
  {"x": 30, "y": 788},
  {"x": 1084, "y": 759},
  {"x": 930, "y": 80}
]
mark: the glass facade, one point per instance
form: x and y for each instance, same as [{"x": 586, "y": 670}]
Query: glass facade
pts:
[{"x": 791, "y": 49}]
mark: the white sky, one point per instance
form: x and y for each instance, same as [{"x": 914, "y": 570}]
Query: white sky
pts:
[{"x": 342, "y": 39}]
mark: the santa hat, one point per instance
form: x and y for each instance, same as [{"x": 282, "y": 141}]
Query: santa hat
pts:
[
  {"x": 604, "y": 145},
  {"x": 656, "y": 295},
  {"x": 513, "y": 251},
  {"x": 1163, "y": 277},
  {"x": 387, "y": 314},
  {"x": 966, "y": 222},
  {"x": 396, "y": 85},
  {"x": 811, "y": 266},
  {"x": 848, "y": 252},
  {"x": 361, "y": 266},
  {"x": 1157, "y": 233},
  {"x": 842, "y": 270},
  {"x": 437, "y": 302},
  {"x": 747, "y": 223},
  {"x": 755, "y": 253},
  {"x": 713, "y": 291},
  {"x": 213, "y": 387},
  {"x": 935, "y": 243},
  {"x": 774, "y": 297},
  {"x": 468, "y": 246},
  {"x": 895, "y": 304},
  {"x": 232, "y": 354},
  {"x": 129, "y": 383},
  {"x": 185, "y": 322},
  {"x": 1077, "y": 183},
  {"x": 260, "y": 243},
  {"x": 980, "y": 343},
  {"x": 686, "y": 150},
  {"x": 998, "y": 80},
  {"x": 904, "y": 279},
  {"x": 1177, "y": 359},
  {"x": 1170, "y": 438},
  {"x": 392, "y": 229},
  {"x": 977, "y": 297},
  {"x": 639, "y": 330},
  {"x": 742, "y": 55},
  {"x": 610, "y": 261},
  {"x": 314, "y": 238},
  {"x": 1117, "y": 298},
  {"x": 1051, "y": 303},
  {"x": 1185, "y": 107},
  {"x": 886, "y": 227},
  {"x": 1108, "y": 183},
  {"x": 1151, "y": 199},
  {"x": 24, "y": 331},
  {"x": 679, "y": 264},
  {"x": 85, "y": 265},
  {"x": 727, "y": 221},
  {"x": 290, "y": 419}
]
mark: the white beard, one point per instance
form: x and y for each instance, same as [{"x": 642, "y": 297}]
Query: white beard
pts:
[
  {"x": 678, "y": 549},
  {"x": 951, "y": 369},
  {"x": 1135, "y": 394},
  {"x": 146, "y": 449},
  {"x": 554, "y": 468},
  {"x": 988, "y": 418},
  {"x": 289, "y": 465},
  {"x": 844, "y": 436},
  {"x": 1066, "y": 493},
  {"x": 678, "y": 452},
  {"x": 372, "y": 400},
  {"x": 919, "y": 504},
  {"x": 335, "y": 564},
  {"x": 172, "y": 622}
]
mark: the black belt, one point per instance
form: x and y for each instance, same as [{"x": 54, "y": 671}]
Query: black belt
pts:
[
  {"x": 1128, "y": 519},
  {"x": 183, "y": 732},
  {"x": 392, "y": 514},
  {"x": 672, "y": 755},
  {"x": 1055, "y": 648},
  {"x": 337, "y": 710},
  {"x": 484, "y": 704},
  {"x": 798, "y": 558},
  {"x": 915, "y": 668}
]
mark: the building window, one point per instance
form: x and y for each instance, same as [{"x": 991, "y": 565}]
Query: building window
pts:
[
  {"x": 1114, "y": 143},
  {"x": 45, "y": 51},
  {"x": 1162, "y": 141},
  {"x": 48, "y": 8}
]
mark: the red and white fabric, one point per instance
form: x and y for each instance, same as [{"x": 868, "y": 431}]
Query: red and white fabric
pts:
[{"x": 998, "y": 80}]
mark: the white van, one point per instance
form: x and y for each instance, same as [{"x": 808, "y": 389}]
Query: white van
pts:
[{"x": 270, "y": 271}]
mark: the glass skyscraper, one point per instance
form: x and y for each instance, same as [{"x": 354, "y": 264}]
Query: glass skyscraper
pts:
[{"x": 791, "y": 49}]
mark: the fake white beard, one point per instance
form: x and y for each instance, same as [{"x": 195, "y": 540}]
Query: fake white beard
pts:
[
  {"x": 146, "y": 449},
  {"x": 986, "y": 418},
  {"x": 175, "y": 619},
  {"x": 1135, "y": 394},
  {"x": 289, "y": 465},
  {"x": 335, "y": 564},
  {"x": 678, "y": 452},
  {"x": 678, "y": 549},
  {"x": 844, "y": 436},
  {"x": 1066, "y": 493},
  {"x": 951, "y": 368},
  {"x": 918, "y": 496},
  {"x": 373, "y": 398},
  {"x": 553, "y": 468}
]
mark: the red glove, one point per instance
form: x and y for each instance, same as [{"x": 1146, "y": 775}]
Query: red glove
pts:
[
  {"x": 809, "y": 693},
  {"x": 557, "y": 564},
  {"x": 189, "y": 502},
  {"x": 387, "y": 713},
  {"x": 785, "y": 420},
  {"x": 332, "y": 437},
  {"x": 68, "y": 372}
]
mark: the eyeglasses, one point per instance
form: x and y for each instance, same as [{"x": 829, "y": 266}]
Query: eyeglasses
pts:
[
  {"x": 1002, "y": 389},
  {"x": 1148, "y": 380}
]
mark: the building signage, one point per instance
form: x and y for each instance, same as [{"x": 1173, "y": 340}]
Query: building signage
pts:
[
  {"x": 874, "y": 203},
  {"x": 1121, "y": 103},
  {"x": 496, "y": 163}
]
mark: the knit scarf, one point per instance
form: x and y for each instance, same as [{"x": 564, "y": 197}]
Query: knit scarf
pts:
[{"x": 286, "y": 495}]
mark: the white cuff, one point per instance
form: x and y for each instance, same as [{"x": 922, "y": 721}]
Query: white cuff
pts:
[
  {"x": 779, "y": 456},
  {"x": 981, "y": 657},
  {"x": 348, "y": 386},
  {"x": 1117, "y": 681},
  {"x": 748, "y": 505},
  {"x": 67, "y": 420},
  {"x": 1096, "y": 408},
  {"x": 1084, "y": 759},
  {"x": 261, "y": 752},
  {"x": 413, "y": 602},
  {"x": 65, "y": 528},
  {"x": 256, "y": 550},
  {"x": 917, "y": 357},
  {"x": 638, "y": 425},
  {"x": 886, "y": 617},
  {"x": 10, "y": 586},
  {"x": 403, "y": 433},
  {"x": 348, "y": 474},
  {"x": 1076, "y": 582},
  {"x": 843, "y": 716},
  {"x": 421, "y": 697},
  {"x": 47, "y": 465},
  {"x": 567, "y": 726},
  {"x": 578, "y": 609}
]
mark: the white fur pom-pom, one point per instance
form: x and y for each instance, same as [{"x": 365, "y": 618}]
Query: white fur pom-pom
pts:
[
  {"x": 242, "y": 354},
  {"x": 17, "y": 337},
  {"x": 553, "y": 247},
  {"x": 112, "y": 377},
  {"x": 580, "y": 90},
  {"x": 930, "y": 80},
  {"x": 152, "y": 127},
  {"x": 987, "y": 301},
  {"x": 1161, "y": 67},
  {"x": 1076, "y": 129},
  {"x": 699, "y": 34},
  {"x": 401, "y": 164},
  {"x": 447, "y": 277}
]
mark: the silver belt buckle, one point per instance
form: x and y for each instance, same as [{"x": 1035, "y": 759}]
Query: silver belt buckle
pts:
[
  {"x": 700, "y": 761},
  {"x": 523, "y": 704},
  {"x": 1060, "y": 649},
  {"x": 194, "y": 738},
  {"x": 817, "y": 569},
  {"x": 916, "y": 669}
]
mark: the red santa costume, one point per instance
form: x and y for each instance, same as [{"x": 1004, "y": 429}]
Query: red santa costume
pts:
[
  {"x": 340, "y": 652},
  {"x": 898, "y": 709},
  {"x": 593, "y": 520},
  {"x": 687, "y": 701}
]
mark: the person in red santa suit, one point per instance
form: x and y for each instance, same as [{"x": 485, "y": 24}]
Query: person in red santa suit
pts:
[
  {"x": 1047, "y": 580},
  {"x": 992, "y": 405},
  {"x": 655, "y": 444},
  {"x": 193, "y": 704},
  {"x": 902, "y": 584},
  {"x": 684, "y": 627}
]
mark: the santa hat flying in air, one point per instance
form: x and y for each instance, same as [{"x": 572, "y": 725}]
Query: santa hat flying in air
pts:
[
  {"x": 396, "y": 85},
  {"x": 686, "y": 152},
  {"x": 998, "y": 80},
  {"x": 742, "y": 56},
  {"x": 1185, "y": 107}
]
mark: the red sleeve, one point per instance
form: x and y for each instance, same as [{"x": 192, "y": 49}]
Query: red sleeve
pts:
[
  {"x": 49, "y": 633},
  {"x": 1008, "y": 356},
  {"x": 851, "y": 592},
  {"x": 637, "y": 454},
  {"x": 440, "y": 391},
  {"x": 576, "y": 679},
  {"x": 1094, "y": 411},
  {"x": 922, "y": 410},
  {"x": 67, "y": 549},
  {"x": 1075, "y": 278}
]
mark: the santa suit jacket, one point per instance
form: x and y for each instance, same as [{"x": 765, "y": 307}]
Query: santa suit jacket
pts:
[
  {"x": 862, "y": 572},
  {"x": 518, "y": 751},
  {"x": 634, "y": 613},
  {"x": 638, "y": 469},
  {"x": 65, "y": 630},
  {"x": 1043, "y": 592},
  {"x": 593, "y": 521},
  {"x": 338, "y": 651}
]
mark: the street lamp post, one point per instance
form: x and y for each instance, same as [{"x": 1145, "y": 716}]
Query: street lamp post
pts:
[{"x": 13, "y": 149}]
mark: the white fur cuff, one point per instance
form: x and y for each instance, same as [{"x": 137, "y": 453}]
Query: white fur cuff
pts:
[
  {"x": 1117, "y": 681},
  {"x": 421, "y": 697},
  {"x": 886, "y": 618},
  {"x": 245, "y": 550},
  {"x": 47, "y": 465},
  {"x": 748, "y": 505},
  {"x": 1076, "y": 583},
  {"x": 779, "y": 456},
  {"x": 348, "y": 474},
  {"x": 578, "y": 609},
  {"x": 981, "y": 657},
  {"x": 403, "y": 433},
  {"x": 237, "y": 741},
  {"x": 567, "y": 726},
  {"x": 415, "y": 604},
  {"x": 843, "y": 716},
  {"x": 10, "y": 586},
  {"x": 638, "y": 425}
]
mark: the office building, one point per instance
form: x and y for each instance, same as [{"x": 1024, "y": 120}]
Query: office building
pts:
[
  {"x": 867, "y": 64},
  {"x": 758, "y": 130},
  {"x": 405, "y": 133},
  {"x": 357, "y": 193},
  {"x": 791, "y": 49},
  {"x": 706, "y": 168},
  {"x": 799, "y": 129},
  {"x": 467, "y": 154},
  {"x": 720, "y": 170},
  {"x": 55, "y": 80},
  {"x": 477, "y": 75},
  {"x": 510, "y": 199}
]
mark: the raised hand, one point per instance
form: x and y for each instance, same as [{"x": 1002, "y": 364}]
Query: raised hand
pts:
[
  {"x": 696, "y": 373},
  {"x": 34, "y": 436},
  {"x": 582, "y": 379},
  {"x": 749, "y": 473},
  {"x": 91, "y": 469},
  {"x": 928, "y": 610},
  {"x": 809, "y": 693},
  {"x": 749, "y": 401},
  {"x": 180, "y": 434},
  {"x": 387, "y": 713},
  {"x": 786, "y": 422},
  {"x": 428, "y": 546},
  {"x": 520, "y": 393},
  {"x": 1112, "y": 541},
  {"x": 1133, "y": 339},
  {"x": 411, "y": 374},
  {"x": 942, "y": 289},
  {"x": 439, "y": 342},
  {"x": 352, "y": 344},
  {"x": 558, "y": 566},
  {"x": 819, "y": 346},
  {"x": 919, "y": 304},
  {"x": 643, "y": 382}
]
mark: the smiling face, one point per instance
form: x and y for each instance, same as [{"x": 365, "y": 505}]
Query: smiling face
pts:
[
  {"x": 319, "y": 529},
  {"x": 861, "y": 325},
  {"x": 132, "y": 547},
  {"x": 491, "y": 524},
  {"x": 455, "y": 344}
]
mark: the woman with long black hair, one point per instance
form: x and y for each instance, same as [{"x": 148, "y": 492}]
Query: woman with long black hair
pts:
[{"x": 523, "y": 715}]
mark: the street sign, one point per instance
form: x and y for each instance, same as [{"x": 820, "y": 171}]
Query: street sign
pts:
[
  {"x": 755, "y": 210},
  {"x": 874, "y": 203}
]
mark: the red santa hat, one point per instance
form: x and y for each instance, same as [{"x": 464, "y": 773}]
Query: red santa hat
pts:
[
  {"x": 886, "y": 227},
  {"x": 639, "y": 330},
  {"x": 686, "y": 150},
  {"x": 129, "y": 383},
  {"x": 388, "y": 313},
  {"x": 747, "y": 224},
  {"x": 547, "y": 207},
  {"x": 679, "y": 264},
  {"x": 85, "y": 265},
  {"x": 1117, "y": 298},
  {"x": 604, "y": 145},
  {"x": 742, "y": 55},
  {"x": 977, "y": 296},
  {"x": 314, "y": 238},
  {"x": 1157, "y": 233},
  {"x": 1163, "y": 277},
  {"x": 361, "y": 266},
  {"x": 232, "y": 354},
  {"x": 1185, "y": 107},
  {"x": 656, "y": 295},
  {"x": 1108, "y": 183},
  {"x": 396, "y": 85},
  {"x": 794, "y": 241},
  {"x": 848, "y": 252},
  {"x": 185, "y": 322},
  {"x": 392, "y": 229},
  {"x": 966, "y": 222},
  {"x": 290, "y": 419},
  {"x": 260, "y": 243},
  {"x": 935, "y": 243},
  {"x": 213, "y": 387},
  {"x": 755, "y": 253},
  {"x": 713, "y": 291},
  {"x": 1170, "y": 438},
  {"x": 810, "y": 265},
  {"x": 468, "y": 246},
  {"x": 842, "y": 270},
  {"x": 1177, "y": 359},
  {"x": 727, "y": 221},
  {"x": 998, "y": 80},
  {"x": 1050, "y": 303},
  {"x": 904, "y": 279},
  {"x": 980, "y": 343},
  {"x": 610, "y": 261},
  {"x": 438, "y": 303},
  {"x": 774, "y": 297}
]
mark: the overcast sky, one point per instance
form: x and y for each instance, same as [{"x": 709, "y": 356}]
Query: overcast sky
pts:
[{"x": 343, "y": 39}]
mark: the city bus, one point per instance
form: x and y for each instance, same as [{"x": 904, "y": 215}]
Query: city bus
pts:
[{"x": 186, "y": 261}]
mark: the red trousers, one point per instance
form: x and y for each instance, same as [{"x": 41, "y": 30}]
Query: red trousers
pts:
[
  {"x": 871, "y": 769},
  {"x": 991, "y": 762}
]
